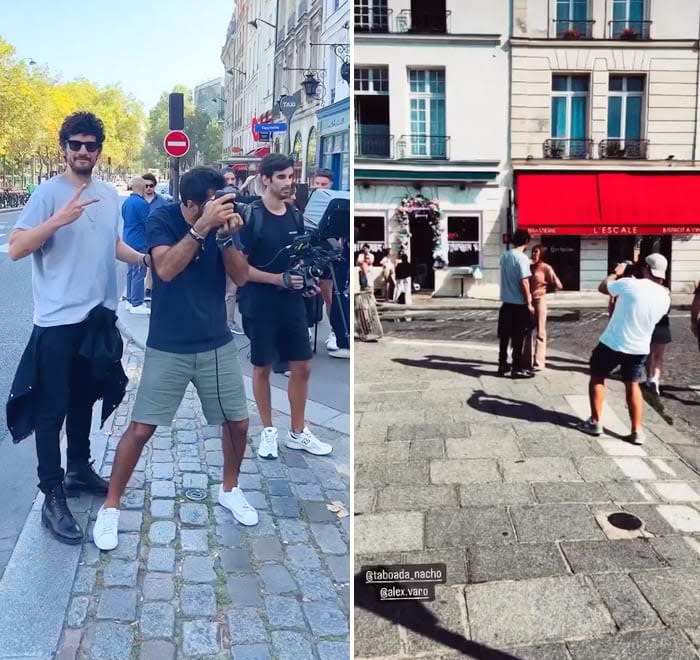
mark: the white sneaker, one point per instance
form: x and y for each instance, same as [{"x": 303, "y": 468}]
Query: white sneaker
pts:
[
  {"x": 268, "y": 443},
  {"x": 331, "y": 342},
  {"x": 141, "y": 310},
  {"x": 127, "y": 305},
  {"x": 104, "y": 533},
  {"x": 343, "y": 353},
  {"x": 308, "y": 442},
  {"x": 235, "y": 501}
]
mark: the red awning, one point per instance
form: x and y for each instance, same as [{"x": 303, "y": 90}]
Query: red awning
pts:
[
  {"x": 608, "y": 203},
  {"x": 260, "y": 152}
]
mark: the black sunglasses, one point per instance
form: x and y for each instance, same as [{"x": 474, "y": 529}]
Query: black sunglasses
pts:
[
  {"x": 150, "y": 185},
  {"x": 75, "y": 145}
]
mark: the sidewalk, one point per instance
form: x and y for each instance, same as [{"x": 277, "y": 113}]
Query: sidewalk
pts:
[
  {"x": 486, "y": 475},
  {"x": 186, "y": 580},
  {"x": 563, "y": 299}
]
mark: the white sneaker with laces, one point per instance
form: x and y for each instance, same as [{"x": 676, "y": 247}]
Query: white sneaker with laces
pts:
[
  {"x": 104, "y": 533},
  {"x": 235, "y": 501},
  {"x": 308, "y": 442},
  {"x": 331, "y": 342},
  {"x": 141, "y": 310},
  {"x": 267, "y": 448},
  {"x": 343, "y": 353}
]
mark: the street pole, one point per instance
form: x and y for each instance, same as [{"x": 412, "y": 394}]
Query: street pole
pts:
[{"x": 175, "y": 177}]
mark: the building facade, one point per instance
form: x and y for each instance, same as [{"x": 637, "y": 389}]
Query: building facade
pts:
[
  {"x": 209, "y": 98},
  {"x": 431, "y": 137},
  {"x": 604, "y": 130}
]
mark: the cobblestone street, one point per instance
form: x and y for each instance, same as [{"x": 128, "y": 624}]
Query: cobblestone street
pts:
[{"x": 188, "y": 581}]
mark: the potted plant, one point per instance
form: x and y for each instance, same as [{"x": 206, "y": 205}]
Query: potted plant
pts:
[
  {"x": 628, "y": 33},
  {"x": 572, "y": 33}
]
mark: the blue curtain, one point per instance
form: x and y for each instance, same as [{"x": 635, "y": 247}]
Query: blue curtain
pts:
[
  {"x": 558, "y": 116},
  {"x": 578, "y": 117},
  {"x": 614, "y": 116},
  {"x": 633, "y": 118}
]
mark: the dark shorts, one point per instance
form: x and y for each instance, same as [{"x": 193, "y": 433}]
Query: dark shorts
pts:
[
  {"x": 662, "y": 332},
  {"x": 604, "y": 360},
  {"x": 273, "y": 340}
]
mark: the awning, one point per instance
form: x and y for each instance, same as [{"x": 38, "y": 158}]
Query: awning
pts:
[{"x": 608, "y": 203}]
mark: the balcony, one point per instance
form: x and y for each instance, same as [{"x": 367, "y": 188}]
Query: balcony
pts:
[
  {"x": 423, "y": 21},
  {"x": 574, "y": 30},
  {"x": 377, "y": 145},
  {"x": 618, "y": 148},
  {"x": 567, "y": 148},
  {"x": 420, "y": 145},
  {"x": 630, "y": 30},
  {"x": 376, "y": 21}
]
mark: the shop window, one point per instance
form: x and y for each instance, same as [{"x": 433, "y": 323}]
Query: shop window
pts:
[
  {"x": 463, "y": 241},
  {"x": 370, "y": 230}
]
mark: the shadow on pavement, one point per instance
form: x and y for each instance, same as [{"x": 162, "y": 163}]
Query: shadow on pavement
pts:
[
  {"x": 415, "y": 616},
  {"x": 668, "y": 392}
]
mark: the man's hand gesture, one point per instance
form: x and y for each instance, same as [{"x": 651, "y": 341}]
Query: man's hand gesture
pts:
[
  {"x": 217, "y": 213},
  {"x": 74, "y": 208}
]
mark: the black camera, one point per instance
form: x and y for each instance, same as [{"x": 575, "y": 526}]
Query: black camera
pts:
[
  {"x": 227, "y": 191},
  {"x": 310, "y": 260}
]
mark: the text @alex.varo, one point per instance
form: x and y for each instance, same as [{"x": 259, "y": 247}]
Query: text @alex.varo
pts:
[{"x": 405, "y": 582}]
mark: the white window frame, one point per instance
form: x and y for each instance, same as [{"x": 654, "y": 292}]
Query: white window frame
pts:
[
  {"x": 374, "y": 9},
  {"x": 569, "y": 94},
  {"x": 465, "y": 214},
  {"x": 624, "y": 94},
  {"x": 374, "y": 80},
  {"x": 628, "y": 6},
  {"x": 426, "y": 97}
]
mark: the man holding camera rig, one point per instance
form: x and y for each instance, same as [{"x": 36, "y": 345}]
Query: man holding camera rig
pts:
[
  {"x": 194, "y": 245},
  {"x": 272, "y": 306}
]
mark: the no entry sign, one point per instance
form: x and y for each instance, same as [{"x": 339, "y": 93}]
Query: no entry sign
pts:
[{"x": 176, "y": 144}]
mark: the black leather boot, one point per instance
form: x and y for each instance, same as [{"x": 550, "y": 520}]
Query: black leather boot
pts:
[
  {"x": 82, "y": 478},
  {"x": 57, "y": 518}
]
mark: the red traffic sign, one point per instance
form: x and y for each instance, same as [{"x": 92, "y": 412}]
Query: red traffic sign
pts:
[{"x": 176, "y": 144}]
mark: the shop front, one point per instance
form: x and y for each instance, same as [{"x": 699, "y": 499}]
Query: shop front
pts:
[
  {"x": 333, "y": 126},
  {"x": 589, "y": 221}
]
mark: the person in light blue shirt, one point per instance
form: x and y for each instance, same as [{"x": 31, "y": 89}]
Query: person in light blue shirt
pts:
[
  {"x": 516, "y": 312},
  {"x": 135, "y": 213}
]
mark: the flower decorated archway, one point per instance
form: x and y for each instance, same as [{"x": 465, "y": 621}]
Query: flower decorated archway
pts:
[{"x": 420, "y": 207}]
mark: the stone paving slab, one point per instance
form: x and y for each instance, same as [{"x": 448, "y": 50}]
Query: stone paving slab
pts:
[
  {"x": 187, "y": 580},
  {"x": 524, "y": 540}
]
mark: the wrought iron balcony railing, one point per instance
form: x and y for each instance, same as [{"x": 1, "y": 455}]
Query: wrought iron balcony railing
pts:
[
  {"x": 574, "y": 29},
  {"x": 565, "y": 148},
  {"x": 420, "y": 145},
  {"x": 375, "y": 20},
  {"x": 623, "y": 148},
  {"x": 374, "y": 146},
  {"x": 423, "y": 21},
  {"x": 630, "y": 30}
]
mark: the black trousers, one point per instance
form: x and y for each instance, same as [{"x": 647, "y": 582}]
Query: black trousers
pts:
[
  {"x": 513, "y": 324},
  {"x": 64, "y": 392}
]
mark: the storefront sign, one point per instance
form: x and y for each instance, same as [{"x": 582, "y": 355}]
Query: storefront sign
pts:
[{"x": 605, "y": 230}]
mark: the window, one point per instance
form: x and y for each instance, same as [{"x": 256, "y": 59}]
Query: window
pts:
[
  {"x": 372, "y": 80},
  {"x": 628, "y": 19},
  {"x": 625, "y": 103},
  {"x": 371, "y": 16},
  {"x": 570, "y": 116},
  {"x": 370, "y": 230},
  {"x": 463, "y": 241},
  {"x": 427, "y": 120},
  {"x": 572, "y": 18}
]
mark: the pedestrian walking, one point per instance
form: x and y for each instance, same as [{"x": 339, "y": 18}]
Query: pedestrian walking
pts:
[
  {"x": 542, "y": 281},
  {"x": 135, "y": 213},
  {"x": 155, "y": 201},
  {"x": 194, "y": 245},
  {"x": 517, "y": 311},
  {"x": 364, "y": 264},
  {"x": 639, "y": 306},
  {"x": 272, "y": 307},
  {"x": 660, "y": 338},
  {"x": 404, "y": 272},
  {"x": 70, "y": 228},
  {"x": 388, "y": 275},
  {"x": 231, "y": 288}
]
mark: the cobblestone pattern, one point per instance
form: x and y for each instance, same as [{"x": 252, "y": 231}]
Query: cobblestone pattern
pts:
[
  {"x": 487, "y": 476},
  {"x": 188, "y": 581}
]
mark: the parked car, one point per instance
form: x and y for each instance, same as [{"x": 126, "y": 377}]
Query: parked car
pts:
[{"x": 163, "y": 189}]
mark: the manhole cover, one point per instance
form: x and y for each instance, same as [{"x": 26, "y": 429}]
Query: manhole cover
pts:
[
  {"x": 196, "y": 494},
  {"x": 625, "y": 521}
]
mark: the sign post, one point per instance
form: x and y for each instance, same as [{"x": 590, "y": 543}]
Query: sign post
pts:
[
  {"x": 176, "y": 145},
  {"x": 288, "y": 106},
  {"x": 176, "y": 122}
]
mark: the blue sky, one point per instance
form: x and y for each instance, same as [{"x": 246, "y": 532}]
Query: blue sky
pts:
[{"x": 146, "y": 47}]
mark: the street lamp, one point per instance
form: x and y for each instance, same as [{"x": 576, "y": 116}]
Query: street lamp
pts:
[
  {"x": 310, "y": 84},
  {"x": 29, "y": 60},
  {"x": 255, "y": 22},
  {"x": 234, "y": 69}
]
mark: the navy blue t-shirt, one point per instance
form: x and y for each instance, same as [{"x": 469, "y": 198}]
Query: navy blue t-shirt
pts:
[
  {"x": 188, "y": 314},
  {"x": 266, "y": 252}
]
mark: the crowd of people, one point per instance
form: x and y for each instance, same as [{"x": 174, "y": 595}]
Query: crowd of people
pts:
[
  {"x": 634, "y": 340},
  {"x": 197, "y": 249}
]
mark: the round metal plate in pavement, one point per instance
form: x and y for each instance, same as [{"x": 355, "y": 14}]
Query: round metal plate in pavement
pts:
[
  {"x": 625, "y": 521},
  {"x": 196, "y": 494}
]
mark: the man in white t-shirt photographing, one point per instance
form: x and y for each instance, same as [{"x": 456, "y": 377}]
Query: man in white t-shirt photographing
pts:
[{"x": 625, "y": 343}]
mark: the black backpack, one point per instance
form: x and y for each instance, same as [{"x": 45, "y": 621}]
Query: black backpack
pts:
[{"x": 253, "y": 214}]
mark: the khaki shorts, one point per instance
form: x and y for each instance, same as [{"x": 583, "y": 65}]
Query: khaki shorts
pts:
[{"x": 216, "y": 375}]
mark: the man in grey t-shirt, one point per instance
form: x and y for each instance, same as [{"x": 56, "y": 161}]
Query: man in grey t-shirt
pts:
[
  {"x": 516, "y": 311},
  {"x": 69, "y": 227}
]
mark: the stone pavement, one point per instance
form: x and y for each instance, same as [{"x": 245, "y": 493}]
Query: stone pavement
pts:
[
  {"x": 487, "y": 475},
  {"x": 187, "y": 580}
]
